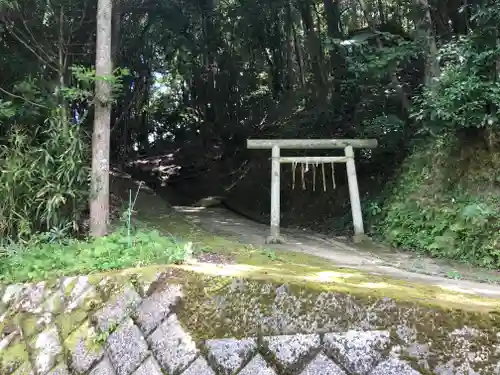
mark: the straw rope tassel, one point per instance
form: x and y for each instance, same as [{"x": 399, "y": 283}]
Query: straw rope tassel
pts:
[
  {"x": 324, "y": 176},
  {"x": 303, "y": 177},
  {"x": 333, "y": 176},
  {"x": 314, "y": 176}
]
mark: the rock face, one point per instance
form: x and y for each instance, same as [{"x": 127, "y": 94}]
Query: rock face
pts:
[{"x": 108, "y": 326}]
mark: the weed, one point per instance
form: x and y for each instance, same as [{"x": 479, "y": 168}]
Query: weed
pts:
[
  {"x": 271, "y": 254},
  {"x": 454, "y": 275},
  {"x": 102, "y": 337}
]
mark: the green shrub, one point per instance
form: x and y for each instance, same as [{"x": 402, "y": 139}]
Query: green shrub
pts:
[
  {"x": 43, "y": 179},
  {"x": 466, "y": 94},
  {"x": 436, "y": 209}
]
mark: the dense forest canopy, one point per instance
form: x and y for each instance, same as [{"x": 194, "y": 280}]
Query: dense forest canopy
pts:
[{"x": 205, "y": 75}]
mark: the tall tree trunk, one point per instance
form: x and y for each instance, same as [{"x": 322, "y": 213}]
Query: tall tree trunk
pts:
[
  {"x": 211, "y": 105},
  {"x": 299, "y": 56},
  {"x": 99, "y": 200},
  {"x": 332, "y": 12},
  {"x": 426, "y": 32},
  {"x": 338, "y": 65},
  {"x": 290, "y": 79},
  {"x": 313, "y": 42}
]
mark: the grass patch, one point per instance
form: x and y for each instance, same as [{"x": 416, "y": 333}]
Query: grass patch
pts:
[{"x": 38, "y": 259}]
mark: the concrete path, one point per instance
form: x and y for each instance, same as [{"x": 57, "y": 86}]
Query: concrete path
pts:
[{"x": 226, "y": 223}]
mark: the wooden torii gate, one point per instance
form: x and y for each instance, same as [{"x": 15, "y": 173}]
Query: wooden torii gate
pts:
[{"x": 276, "y": 145}]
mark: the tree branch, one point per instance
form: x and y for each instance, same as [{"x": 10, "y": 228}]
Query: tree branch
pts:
[
  {"x": 23, "y": 98},
  {"x": 23, "y": 42}
]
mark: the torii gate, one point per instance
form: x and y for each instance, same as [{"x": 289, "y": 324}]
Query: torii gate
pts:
[{"x": 308, "y": 144}]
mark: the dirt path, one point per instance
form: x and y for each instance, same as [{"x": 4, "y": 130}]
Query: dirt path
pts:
[{"x": 377, "y": 260}]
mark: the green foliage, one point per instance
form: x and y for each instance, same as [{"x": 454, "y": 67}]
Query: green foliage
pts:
[
  {"x": 380, "y": 62},
  {"x": 430, "y": 212},
  {"x": 85, "y": 79},
  {"x": 43, "y": 179},
  {"x": 47, "y": 256},
  {"x": 7, "y": 110},
  {"x": 390, "y": 128},
  {"x": 467, "y": 92}
]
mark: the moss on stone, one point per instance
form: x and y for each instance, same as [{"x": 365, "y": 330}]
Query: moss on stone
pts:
[
  {"x": 216, "y": 307},
  {"x": 112, "y": 284},
  {"x": 85, "y": 335},
  {"x": 24, "y": 369},
  {"x": 70, "y": 286},
  {"x": 91, "y": 300},
  {"x": 54, "y": 304},
  {"x": 13, "y": 356},
  {"x": 29, "y": 324},
  {"x": 220, "y": 306},
  {"x": 144, "y": 280},
  {"x": 68, "y": 322},
  {"x": 352, "y": 281}
]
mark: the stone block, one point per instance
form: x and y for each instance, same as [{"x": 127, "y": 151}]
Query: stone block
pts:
[
  {"x": 229, "y": 355},
  {"x": 60, "y": 369},
  {"x": 149, "y": 367},
  {"x": 289, "y": 350},
  {"x": 155, "y": 308},
  {"x": 199, "y": 367},
  {"x": 117, "y": 309},
  {"x": 83, "y": 349},
  {"x": 322, "y": 365},
  {"x": 394, "y": 366},
  {"x": 127, "y": 348},
  {"x": 172, "y": 346},
  {"x": 257, "y": 366},
  {"x": 46, "y": 350},
  {"x": 103, "y": 368},
  {"x": 357, "y": 351}
]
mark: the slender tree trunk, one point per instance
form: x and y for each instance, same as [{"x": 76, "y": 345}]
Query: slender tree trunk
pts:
[
  {"x": 425, "y": 28},
  {"x": 313, "y": 42},
  {"x": 99, "y": 200},
  {"x": 338, "y": 65},
  {"x": 332, "y": 12},
  {"x": 290, "y": 78},
  {"x": 62, "y": 68},
  {"x": 299, "y": 56},
  {"x": 381, "y": 12}
]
